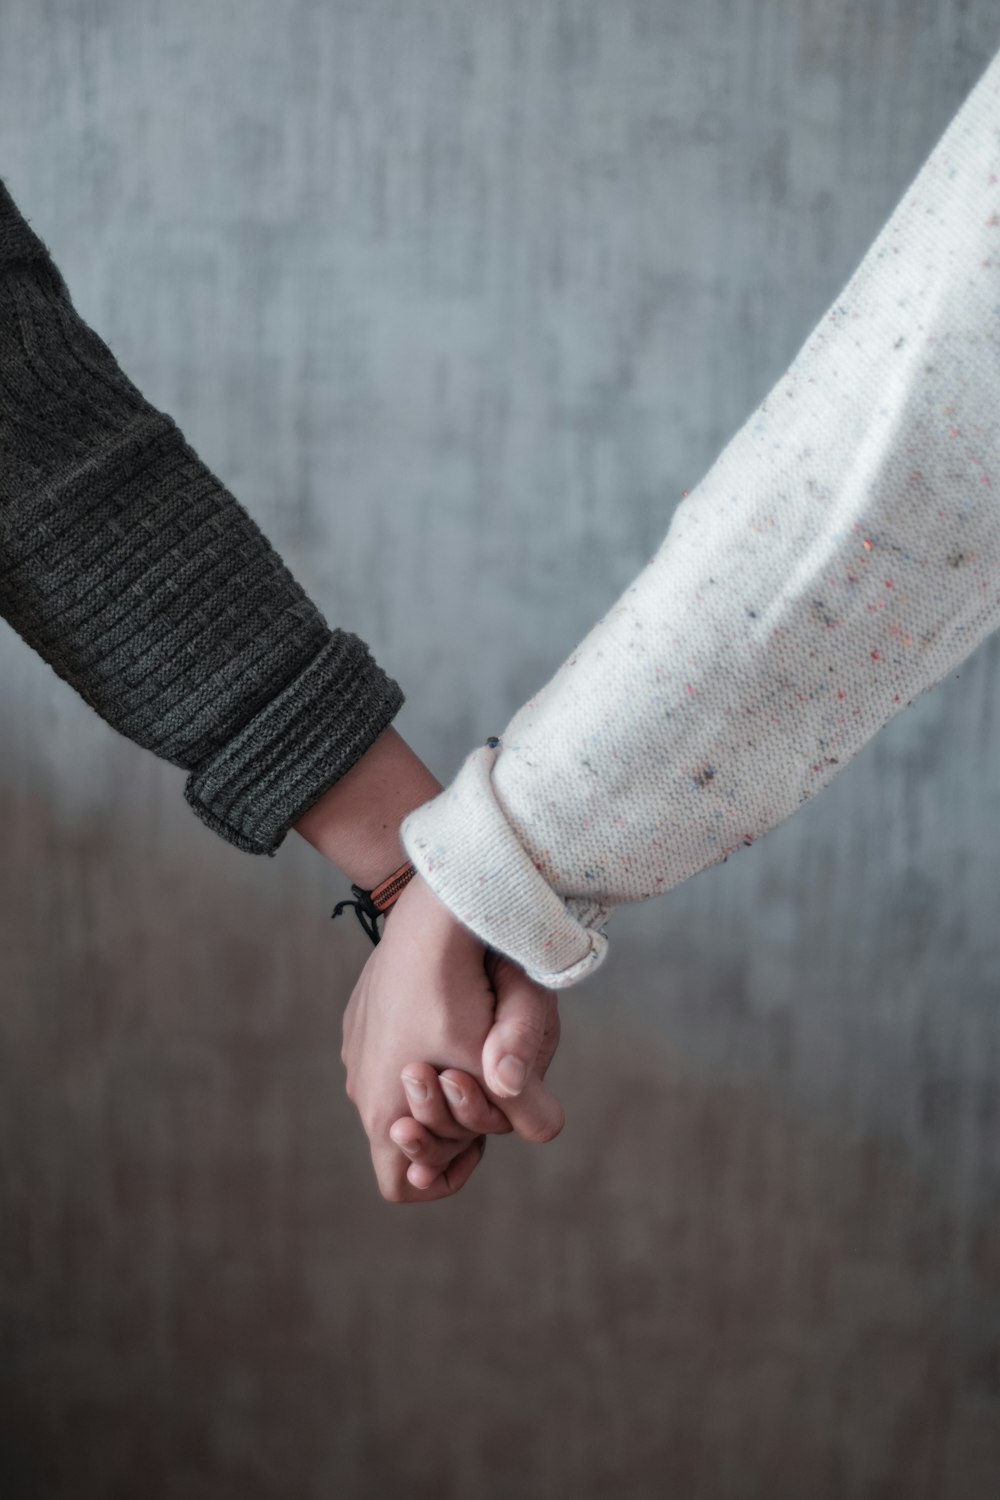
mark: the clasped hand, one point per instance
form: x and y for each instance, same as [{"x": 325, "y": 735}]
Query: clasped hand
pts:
[{"x": 444, "y": 1044}]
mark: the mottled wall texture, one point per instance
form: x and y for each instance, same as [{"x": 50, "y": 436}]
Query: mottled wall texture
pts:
[{"x": 458, "y": 296}]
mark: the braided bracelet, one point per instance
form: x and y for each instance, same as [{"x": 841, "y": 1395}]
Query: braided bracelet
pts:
[{"x": 370, "y": 905}]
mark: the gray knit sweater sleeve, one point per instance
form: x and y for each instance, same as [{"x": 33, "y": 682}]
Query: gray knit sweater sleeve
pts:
[{"x": 146, "y": 586}]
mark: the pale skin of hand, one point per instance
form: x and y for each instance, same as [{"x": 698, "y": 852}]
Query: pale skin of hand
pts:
[
  {"x": 445, "y": 989},
  {"x": 430, "y": 990}
]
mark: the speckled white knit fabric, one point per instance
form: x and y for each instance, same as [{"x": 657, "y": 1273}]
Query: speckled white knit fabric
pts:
[{"x": 840, "y": 557}]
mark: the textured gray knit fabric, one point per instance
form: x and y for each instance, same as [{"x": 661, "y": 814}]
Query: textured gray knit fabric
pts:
[{"x": 146, "y": 586}]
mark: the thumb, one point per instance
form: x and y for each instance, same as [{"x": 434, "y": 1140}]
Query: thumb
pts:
[
  {"x": 520, "y": 1024},
  {"x": 518, "y": 1050},
  {"x": 535, "y": 1115}
]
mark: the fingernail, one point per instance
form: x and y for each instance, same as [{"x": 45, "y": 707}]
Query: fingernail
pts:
[
  {"x": 416, "y": 1090},
  {"x": 512, "y": 1074},
  {"x": 412, "y": 1148},
  {"x": 452, "y": 1091}
]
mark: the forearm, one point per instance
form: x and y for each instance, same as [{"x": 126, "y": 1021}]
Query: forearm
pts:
[
  {"x": 840, "y": 557},
  {"x": 355, "y": 825},
  {"x": 144, "y": 583}
]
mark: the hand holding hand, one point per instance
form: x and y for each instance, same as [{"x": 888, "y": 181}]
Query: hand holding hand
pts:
[
  {"x": 427, "y": 992},
  {"x": 520, "y": 1044}
]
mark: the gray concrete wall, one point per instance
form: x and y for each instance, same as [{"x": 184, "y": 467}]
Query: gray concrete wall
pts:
[{"x": 458, "y": 296}]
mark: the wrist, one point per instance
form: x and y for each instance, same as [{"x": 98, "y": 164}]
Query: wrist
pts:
[{"x": 355, "y": 825}]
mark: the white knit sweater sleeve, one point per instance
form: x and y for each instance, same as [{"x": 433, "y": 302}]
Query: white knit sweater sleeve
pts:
[{"x": 840, "y": 557}]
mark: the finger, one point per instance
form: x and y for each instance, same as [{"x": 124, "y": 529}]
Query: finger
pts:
[
  {"x": 535, "y": 1114},
  {"x": 418, "y": 1144},
  {"x": 390, "y": 1172},
  {"x": 421, "y": 1175},
  {"x": 463, "y": 1166},
  {"x": 427, "y": 1103},
  {"x": 469, "y": 1105},
  {"x": 518, "y": 1030},
  {"x": 391, "y": 1168},
  {"x": 453, "y": 1178}
]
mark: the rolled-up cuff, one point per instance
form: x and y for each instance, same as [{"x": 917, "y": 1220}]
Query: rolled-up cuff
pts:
[
  {"x": 294, "y": 749},
  {"x": 465, "y": 848}
]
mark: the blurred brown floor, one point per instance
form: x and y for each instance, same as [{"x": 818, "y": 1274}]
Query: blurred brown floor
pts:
[{"x": 691, "y": 1293}]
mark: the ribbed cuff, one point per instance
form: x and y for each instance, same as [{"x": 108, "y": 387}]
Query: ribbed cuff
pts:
[
  {"x": 296, "y": 747},
  {"x": 465, "y": 848}
]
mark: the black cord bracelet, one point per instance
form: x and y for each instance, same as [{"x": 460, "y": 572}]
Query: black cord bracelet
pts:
[{"x": 370, "y": 905}]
